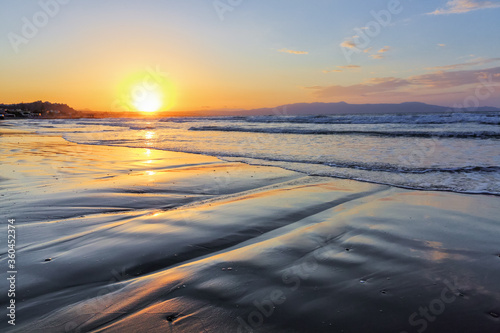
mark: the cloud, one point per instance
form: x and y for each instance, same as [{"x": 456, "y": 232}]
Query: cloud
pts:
[
  {"x": 442, "y": 45},
  {"x": 464, "y": 6},
  {"x": 465, "y": 64},
  {"x": 384, "y": 49},
  {"x": 376, "y": 86},
  {"x": 367, "y": 50},
  {"x": 292, "y": 51},
  {"x": 349, "y": 44},
  {"x": 352, "y": 67},
  {"x": 444, "y": 79},
  {"x": 377, "y": 56}
]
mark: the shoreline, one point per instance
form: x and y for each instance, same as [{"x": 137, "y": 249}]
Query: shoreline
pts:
[
  {"x": 152, "y": 239},
  {"x": 269, "y": 164}
]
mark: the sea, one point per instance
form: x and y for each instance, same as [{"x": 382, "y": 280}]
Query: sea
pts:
[{"x": 458, "y": 152}]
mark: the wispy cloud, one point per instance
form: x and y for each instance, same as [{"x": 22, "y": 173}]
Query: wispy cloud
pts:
[
  {"x": 442, "y": 45},
  {"x": 349, "y": 44},
  {"x": 293, "y": 51},
  {"x": 464, "y": 6},
  {"x": 350, "y": 67},
  {"x": 379, "y": 54},
  {"x": 465, "y": 64},
  {"x": 384, "y": 49},
  {"x": 452, "y": 79}
]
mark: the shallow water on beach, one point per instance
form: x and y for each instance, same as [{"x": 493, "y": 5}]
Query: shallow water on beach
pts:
[{"x": 457, "y": 152}]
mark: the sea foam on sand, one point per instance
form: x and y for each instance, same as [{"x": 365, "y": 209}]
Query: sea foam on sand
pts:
[{"x": 139, "y": 240}]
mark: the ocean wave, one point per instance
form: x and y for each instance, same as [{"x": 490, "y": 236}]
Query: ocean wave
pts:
[
  {"x": 458, "y": 165},
  {"x": 140, "y": 128},
  {"x": 300, "y": 131},
  {"x": 442, "y": 118},
  {"x": 463, "y": 180},
  {"x": 472, "y": 179},
  {"x": 422, "y": 119},
  {"x": 198, "y": 119},
  {"x": 379, "y": 167},
  {"x": 104, "y": 122},
  {"x": 415, "y": 170}
]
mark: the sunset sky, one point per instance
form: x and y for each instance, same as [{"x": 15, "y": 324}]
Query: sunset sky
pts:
[{"x": 231, "y": 54}]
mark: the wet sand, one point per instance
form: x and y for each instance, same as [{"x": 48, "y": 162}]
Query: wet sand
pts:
[{"x": 115, "y": 239}]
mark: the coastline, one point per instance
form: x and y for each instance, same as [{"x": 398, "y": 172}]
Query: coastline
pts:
[{"x": 163, "y": 240}]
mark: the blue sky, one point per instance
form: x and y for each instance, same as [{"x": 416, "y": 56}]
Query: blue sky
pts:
[{"x": 245, "y": 54}]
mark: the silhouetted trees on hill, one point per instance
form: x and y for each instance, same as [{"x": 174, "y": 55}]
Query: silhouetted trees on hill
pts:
[{"x": 44, "y": 108}]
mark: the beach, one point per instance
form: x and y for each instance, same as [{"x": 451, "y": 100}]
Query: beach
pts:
[
  {"x": 114, "y": 239},
  {"x": 231, "y": 166}
]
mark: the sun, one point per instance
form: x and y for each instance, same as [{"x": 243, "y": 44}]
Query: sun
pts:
[
  {"x": 146, "y": 100},
  {"x": 145, "y": 91}
]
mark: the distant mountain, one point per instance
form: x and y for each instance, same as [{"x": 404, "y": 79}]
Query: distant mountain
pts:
[
  {"x": 345, "y": 108},
  {"x": 58, "y": 110}
]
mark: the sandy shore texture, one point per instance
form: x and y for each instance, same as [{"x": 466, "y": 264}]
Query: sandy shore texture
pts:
[{"x": 113, "y": 239}]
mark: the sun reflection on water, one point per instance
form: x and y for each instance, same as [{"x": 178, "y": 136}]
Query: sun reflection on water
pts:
[{"x": 149, "y": 135}]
